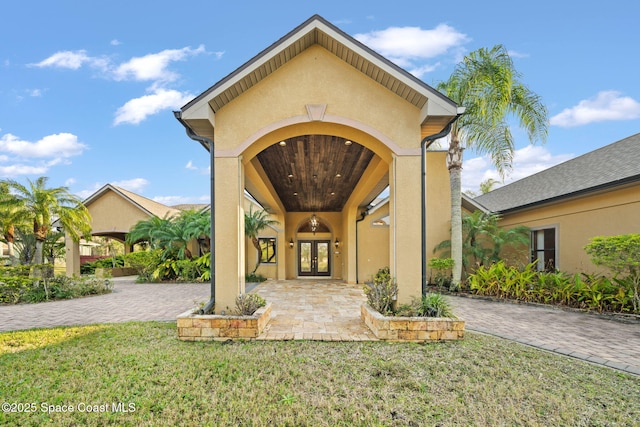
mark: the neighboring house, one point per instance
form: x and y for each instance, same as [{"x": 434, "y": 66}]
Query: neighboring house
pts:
[
  {"x": 114, "y": 211},
  {"x": 315, "y": 127},
  {"x": 596, "y": 194}
]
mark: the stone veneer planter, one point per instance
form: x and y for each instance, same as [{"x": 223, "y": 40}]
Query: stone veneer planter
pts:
[
  {"x": 416, "y": 329},
  {"x": 208, "y": 327}
]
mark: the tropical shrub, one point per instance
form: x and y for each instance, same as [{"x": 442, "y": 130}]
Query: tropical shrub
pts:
[
  {"x": 442, "y": 268},
  {"x": 18, "y": 286},
  {"x": 145, "y": 263},
  {"x": 484, "y": 242},
  {"x": 247, "y": 304},
  {"x": 621, "y": 254},
  {"x": 255, "y": 278},
  {"x": 382, "y": 292},
  {"x": 591, "y": 292},
  {"x": 204, "y": 266},
  {"x": 433, "y": 305}
]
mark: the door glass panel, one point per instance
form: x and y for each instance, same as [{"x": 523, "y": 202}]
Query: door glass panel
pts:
[
  {"x": 305, "y": 257},
  {"x": 323, "y": 257}
]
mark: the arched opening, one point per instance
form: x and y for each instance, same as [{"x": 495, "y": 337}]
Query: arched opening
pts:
[{"x": 317, "y": 175}]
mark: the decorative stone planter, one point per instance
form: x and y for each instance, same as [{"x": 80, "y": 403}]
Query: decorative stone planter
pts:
[
  {"x": 208, "y": 327},
  {"x": 415, "y": 329}
]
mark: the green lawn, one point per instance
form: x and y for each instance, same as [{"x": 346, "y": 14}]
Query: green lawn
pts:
[{"x": 481, "y": 381}]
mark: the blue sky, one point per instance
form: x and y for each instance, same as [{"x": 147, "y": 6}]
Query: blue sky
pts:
[{"x": 87, "y": 89}]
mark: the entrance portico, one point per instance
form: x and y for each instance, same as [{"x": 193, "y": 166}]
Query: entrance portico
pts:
[{"x": 316, "y": 126}]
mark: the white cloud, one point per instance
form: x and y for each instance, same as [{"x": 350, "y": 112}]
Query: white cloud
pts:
[
  {"x": 606, "y": 106},
  {"x": 69, "y": 182},
  {"x": 138, "y": 109},
  {"x": 407, "y": 45},
  {"x": 72, "y": 60},
  {"x": 190, "y": 166},
  {"x": 31, "y": 158},
  {"x": 19, "y": 169},
  {"x": 516, "y": 54},
  {"x": 135, "y": 185},
  {"x": 527, "y": 161},
  {"x": 115, "y": 42},
  {"x": 83, "y": 194},
  {"x": 153, "y": 67},
  {"x": 180, "y": 200},
  {"x": 59, "y": 145}
]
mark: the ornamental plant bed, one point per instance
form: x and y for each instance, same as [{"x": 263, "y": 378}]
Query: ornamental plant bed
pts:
[
  {"x": 415, "y": 329},
  {"x": 209, "y": 327}
]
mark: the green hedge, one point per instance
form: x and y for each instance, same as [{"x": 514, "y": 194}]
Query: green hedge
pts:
[{"x": 584, "y": 291}]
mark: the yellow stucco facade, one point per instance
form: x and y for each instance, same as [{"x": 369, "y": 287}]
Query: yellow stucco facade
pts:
[
  {"x": 319, "y": 89},
  {"x": 576, "y": 220}
]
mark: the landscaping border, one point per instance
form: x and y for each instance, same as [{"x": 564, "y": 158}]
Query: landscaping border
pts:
[
  {"x": 209, "y": 327},
  {"x": 414, "y": 329}
]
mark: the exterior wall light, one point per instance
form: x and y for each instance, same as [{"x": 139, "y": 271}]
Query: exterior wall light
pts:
[
  {"x": 336, "y": 243},
  {"x": 291, "y": 243}
]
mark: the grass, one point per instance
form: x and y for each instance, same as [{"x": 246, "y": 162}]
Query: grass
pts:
[{"x": 481, "y": 381}]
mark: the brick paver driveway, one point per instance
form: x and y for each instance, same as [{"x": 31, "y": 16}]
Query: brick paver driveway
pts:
[{"x": 128, "y": 301}]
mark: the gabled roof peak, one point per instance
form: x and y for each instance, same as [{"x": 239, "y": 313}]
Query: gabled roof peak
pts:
[{"x": 318, "y": 31}]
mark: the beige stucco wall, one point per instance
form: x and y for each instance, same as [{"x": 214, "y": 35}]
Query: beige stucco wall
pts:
[
  {"x": 356, "y": 108},
  {"x": 605, "y": 214},
  {"x": 373, "y": 244},
  {"x": 316, "y": 77},
  {"x": 111, "y": 213},
  {"x": 438, "y": 201}
]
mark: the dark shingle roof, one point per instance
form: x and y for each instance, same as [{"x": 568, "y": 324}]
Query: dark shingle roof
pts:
[{"x": 612, "y": 165}]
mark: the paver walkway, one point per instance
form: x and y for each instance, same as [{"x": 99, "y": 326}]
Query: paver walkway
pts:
[
  {"x": 128, "y": 301},
  {"x": 323, "y": 310},
  {"x": 329, "y": 310}
]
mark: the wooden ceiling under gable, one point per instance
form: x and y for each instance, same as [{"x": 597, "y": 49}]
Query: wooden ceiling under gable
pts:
[{"x": 315, "y": 173}]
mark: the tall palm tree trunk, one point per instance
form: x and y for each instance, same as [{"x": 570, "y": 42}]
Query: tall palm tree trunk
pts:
[
  {"x": 454, "y": 162},
  {"x": 10, "y": 237},
  {"x": 256, "y": 244},
  {"x": 40, "y": 232}
]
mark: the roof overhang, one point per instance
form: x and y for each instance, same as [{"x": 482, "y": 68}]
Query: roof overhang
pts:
[{"x": 199, "y": 114}]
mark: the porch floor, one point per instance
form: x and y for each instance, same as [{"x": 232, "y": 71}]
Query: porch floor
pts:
[{"x": 314, "y": 309}]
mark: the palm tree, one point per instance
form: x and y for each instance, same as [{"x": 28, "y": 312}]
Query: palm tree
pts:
[
  {"x": 487, "y": 185},
  {"x": 12, "y": 217},
  {"x": 484, "y": 241},
  {"x": 254, "y": 222},
  {"x": 487, "y": 84},
  {"x": 147, "y": 231},
  {"x": 44, "y": 205}
]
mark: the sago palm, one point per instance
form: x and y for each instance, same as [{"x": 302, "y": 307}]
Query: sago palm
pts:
[{"x": 487, "y": 84}]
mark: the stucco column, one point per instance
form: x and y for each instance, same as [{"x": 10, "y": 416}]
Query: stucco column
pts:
[
  {"x": 230, "y": 239},
  {"x": 283, "y": 245},
  {"x": 404, "y": 241},
  {"x": 348, "y": 249},
  {"x": 72, "y": 256}
]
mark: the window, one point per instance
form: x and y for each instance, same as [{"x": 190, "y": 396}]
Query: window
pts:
[
  {"x": 543, "y": 248},
  {"x": 267, "y": 250}
]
